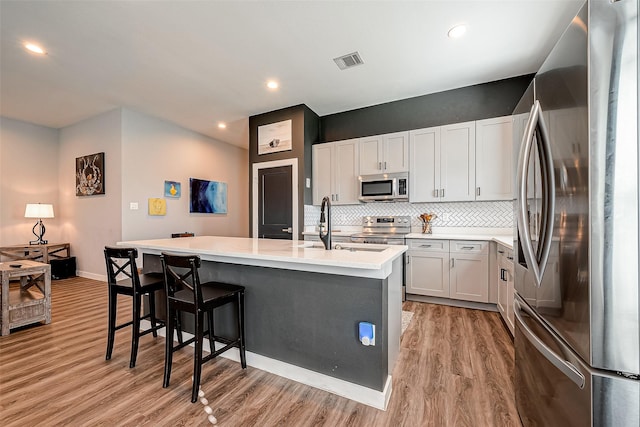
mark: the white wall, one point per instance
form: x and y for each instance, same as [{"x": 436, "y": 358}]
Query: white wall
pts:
[
  {"x": 37, "y": 164},
  {"x": 91, "y": 222},
  {"x": 28, "y": 174},
  {"x": 153, "y": 151}
]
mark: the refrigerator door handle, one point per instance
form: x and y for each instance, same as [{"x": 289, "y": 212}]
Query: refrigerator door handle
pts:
[
  {"x": 536, "y": 264},
  {"x": 559, "y": 362}
]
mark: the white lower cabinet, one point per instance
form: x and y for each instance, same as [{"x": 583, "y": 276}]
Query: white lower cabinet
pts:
[
  {"x": 428, "y": 268},
  {"x": 469, "y": 278},
  {"x": 448, "y": 269},
  {"x": 505, "y": 286}
]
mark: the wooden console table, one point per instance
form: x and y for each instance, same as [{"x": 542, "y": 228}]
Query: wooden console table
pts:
[
  {"x": 43, "y": 253},
  {"x": 30, "y": 302}
]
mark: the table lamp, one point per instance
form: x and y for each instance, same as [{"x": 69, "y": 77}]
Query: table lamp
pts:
[{"x": 38, "y": 210}]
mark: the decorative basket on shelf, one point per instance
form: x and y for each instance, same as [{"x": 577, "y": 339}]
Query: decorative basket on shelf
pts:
[{"x": 426, "y": 222}]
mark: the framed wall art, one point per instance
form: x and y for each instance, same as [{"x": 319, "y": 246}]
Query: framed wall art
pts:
[
  {"x": 90, "y": 175},
  {"x": 207, "y": 196},
  {"x": 172, "y": 189},
  {"x": 157, "y": 207},
  {"x": 274, "y": 137}
]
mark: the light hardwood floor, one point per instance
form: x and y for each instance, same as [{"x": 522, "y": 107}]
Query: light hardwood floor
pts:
[{"x": 455, "y": 369}]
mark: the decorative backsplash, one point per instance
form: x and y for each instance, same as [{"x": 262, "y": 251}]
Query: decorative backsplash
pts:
[{"x": 460, "y": 214}]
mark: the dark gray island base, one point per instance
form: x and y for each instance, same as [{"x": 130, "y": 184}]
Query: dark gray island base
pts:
[
  {"x": 303, "y": 306},
  {"x": 307, "y": 319}
]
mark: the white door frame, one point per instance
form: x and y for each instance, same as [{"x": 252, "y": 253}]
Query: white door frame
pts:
[{"x": 294, "y": 191}]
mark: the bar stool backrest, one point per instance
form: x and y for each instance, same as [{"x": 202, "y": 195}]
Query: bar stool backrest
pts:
[
  {"x": 122, "y": 262},
  {"x": 181, "y": 271}
]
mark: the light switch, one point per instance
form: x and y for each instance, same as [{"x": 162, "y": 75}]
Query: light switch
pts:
[
  {"x": 133, "y": 206},
  {"x": 308, "y": 182}
]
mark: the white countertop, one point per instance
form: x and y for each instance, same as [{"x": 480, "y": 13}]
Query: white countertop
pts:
[
  {"x": 503, "y": 239},
  {"x": 284, "y": 254},
  {"x": 503, "y": 236}
]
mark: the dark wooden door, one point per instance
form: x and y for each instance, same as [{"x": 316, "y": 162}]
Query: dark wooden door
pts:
[{"x": 275, "y": 220}]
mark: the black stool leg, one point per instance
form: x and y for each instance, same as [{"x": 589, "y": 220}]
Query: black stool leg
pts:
[
  {"x": 243, "y": 357},
  {"x": 135, "y": 331},
  {"x": 168, "y": 349},
  {"x": 212, "y": 340},
  {"x": 178, "y": 327},
  {"x": 152, "y": 312},
  {"x": 197, "y": 358},
  {"x": 113, "y": 300}
]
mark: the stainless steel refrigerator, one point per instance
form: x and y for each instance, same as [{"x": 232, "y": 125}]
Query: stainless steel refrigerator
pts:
[{"x": 577, "y": 304}]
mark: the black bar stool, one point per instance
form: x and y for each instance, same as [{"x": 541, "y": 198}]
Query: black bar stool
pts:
[
  {"x": 122, "y": 261},
  {"x": 186, "y": 293}
]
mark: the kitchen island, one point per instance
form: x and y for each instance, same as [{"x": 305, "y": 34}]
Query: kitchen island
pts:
[{"x": 303, "y": 305}]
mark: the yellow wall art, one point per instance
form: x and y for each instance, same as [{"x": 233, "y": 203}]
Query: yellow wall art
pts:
[{"x": 157, "y": 206}]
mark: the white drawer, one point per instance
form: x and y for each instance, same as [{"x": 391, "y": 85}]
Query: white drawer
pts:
[
  {"x": 469, "y": 246},
  {"x": 428, "y": 245}
]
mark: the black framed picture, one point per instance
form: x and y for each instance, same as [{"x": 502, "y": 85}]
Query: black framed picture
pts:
[{"x": 90, "y": 175}]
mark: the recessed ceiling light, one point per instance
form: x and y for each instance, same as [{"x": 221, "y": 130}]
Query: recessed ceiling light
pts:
[
  {"x": 272, "y": 84},
  {"x": 457, "y": 31},
  {"x": 222, "y": 125},
  {"x": 34, "y": 48}
]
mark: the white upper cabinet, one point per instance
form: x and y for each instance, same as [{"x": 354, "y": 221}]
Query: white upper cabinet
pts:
[
  {"x": 335, "y": 172},
  {"x": 458, "y": 162},
  {"x": 424, "y": 178},
  {"x": 322, "y": 173},
  {"x": 387, "y": 153},
  {"x": 443, "y": 163},
  {"x": 494, "y": 159}
]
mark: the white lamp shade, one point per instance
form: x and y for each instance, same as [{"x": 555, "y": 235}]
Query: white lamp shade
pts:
[{"x": 38, "y": 210}]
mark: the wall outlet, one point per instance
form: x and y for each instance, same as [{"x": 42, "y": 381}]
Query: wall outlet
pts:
[
  {"x": 445, "y": 217},
  {"x": 133, "y": 206}
]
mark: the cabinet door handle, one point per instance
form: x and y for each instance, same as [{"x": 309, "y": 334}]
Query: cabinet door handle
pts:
[
  {"x": 502, "y": 274},
  {"x": 467, "y": 248},
  {"x": 337, "y": 197},
  {"x": 425, "y": 246},
  {"x": 385, "y": 165},
  {"x": 435, "y": 193},
  {"x": 500, "y": 252},
  {"x": 477, "y": 191},
  {"x": 408, "y": 259},
  {"x": 453, "y": 262},
  {"x": 379, "y": 165},
  {"x": 442, "y": 192},
  {"x": 510, "y": 258}
]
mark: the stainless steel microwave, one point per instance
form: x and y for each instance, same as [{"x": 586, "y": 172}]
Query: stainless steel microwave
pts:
[{"x": 385, "y": 187}]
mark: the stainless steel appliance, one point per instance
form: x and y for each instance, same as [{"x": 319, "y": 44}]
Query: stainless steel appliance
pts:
[
  {"x": 386, "y": 187},
  {"x": 385, "y": 230},
  {"x": 577, "y": 305}
]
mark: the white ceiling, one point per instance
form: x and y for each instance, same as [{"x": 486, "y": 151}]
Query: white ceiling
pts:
[{"x": 196, "y": 63}]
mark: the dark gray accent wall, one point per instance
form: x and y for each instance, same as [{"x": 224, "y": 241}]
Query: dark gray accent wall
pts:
[
  {"x": 476, "y": 102},
  {"x": 305, "y": 319},
  {"x": 305, "y": 131}
]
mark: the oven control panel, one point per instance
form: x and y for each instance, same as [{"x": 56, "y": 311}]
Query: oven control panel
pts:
[{"x": 398, "y": 224}]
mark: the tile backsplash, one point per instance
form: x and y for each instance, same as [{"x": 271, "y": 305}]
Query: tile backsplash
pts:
[{"x": 458, "y": 214}]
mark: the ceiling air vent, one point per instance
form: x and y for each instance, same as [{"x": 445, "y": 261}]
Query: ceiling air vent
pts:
[{"x": 348, "y": 61}]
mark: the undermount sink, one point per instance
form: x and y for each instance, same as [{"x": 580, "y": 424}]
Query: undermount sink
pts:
[{"x": 343, "y": 247}]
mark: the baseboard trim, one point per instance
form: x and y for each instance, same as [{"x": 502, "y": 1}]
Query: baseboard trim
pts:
[
  {"x": 93, "y": 276},
  {"x": 453, "y": 302},
  {"x": 358, "y": 393}
]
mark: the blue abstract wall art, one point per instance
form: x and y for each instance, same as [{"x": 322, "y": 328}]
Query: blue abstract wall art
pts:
[{"x": 208, "y": 196}]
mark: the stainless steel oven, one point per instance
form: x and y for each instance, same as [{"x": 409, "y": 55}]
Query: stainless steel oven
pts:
[{"x": 385, "y": 230}]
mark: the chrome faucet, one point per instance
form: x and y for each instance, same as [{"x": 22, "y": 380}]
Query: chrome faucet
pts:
[{"x": 326, "y": 237}]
